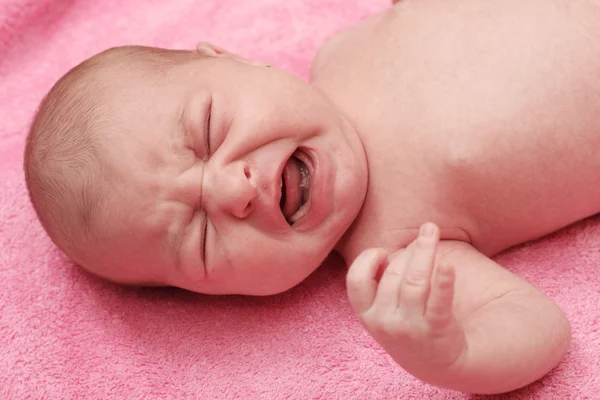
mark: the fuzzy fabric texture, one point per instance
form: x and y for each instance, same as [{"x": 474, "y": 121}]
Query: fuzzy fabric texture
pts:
[{"x": 67, "y": 335}]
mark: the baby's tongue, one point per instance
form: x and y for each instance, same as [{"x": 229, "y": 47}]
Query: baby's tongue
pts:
[{"x": 293, "y": 195}]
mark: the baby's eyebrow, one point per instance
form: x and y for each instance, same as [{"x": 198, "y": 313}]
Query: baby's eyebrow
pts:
[
  {"x": 177, "y": 230},
  {"x": 183, "y": 131}
]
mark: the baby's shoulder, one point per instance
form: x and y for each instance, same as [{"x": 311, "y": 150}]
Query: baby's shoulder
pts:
[
  {"x": 327, "y": 52},
  {"x": 347, "y": 47}
]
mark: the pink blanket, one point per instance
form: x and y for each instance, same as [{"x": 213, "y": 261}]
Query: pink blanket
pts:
[{"x": 64, "y": 334}]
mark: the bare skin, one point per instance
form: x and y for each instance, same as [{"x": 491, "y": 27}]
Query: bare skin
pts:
[
  {"x": 491, "y": 136},
  {"x": 484, "y": 119}
]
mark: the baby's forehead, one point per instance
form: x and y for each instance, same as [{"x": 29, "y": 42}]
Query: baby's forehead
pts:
[{"x": 122, "y": 70}]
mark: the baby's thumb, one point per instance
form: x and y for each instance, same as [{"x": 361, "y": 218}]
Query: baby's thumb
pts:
[{"x": 362, "y": 279}]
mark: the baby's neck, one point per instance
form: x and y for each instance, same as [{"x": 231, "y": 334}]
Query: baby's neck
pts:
[
  {"x": 344, "y": 246},
  {"x": 347, "y": 245}
]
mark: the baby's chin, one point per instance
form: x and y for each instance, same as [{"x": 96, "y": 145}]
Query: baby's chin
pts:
[
  {"x": 248, "y": 289},
  {"x": 274, "y": 280}
]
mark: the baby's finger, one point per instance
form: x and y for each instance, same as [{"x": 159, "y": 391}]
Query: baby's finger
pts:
[
  {"x": 439, "y": 306},
  {"x": 388, "y": 292},
  {"x": 361, "y": 281},
  {"x": 417, "y": 277}
]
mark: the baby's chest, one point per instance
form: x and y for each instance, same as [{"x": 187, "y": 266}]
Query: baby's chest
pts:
[{"x": 493, "y": 188}]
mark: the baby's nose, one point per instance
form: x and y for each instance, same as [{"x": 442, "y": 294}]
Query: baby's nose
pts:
[{"x": 230, "y": 188}]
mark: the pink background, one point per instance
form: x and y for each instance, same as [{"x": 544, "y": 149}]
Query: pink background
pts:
[{"x": 64, "y": 334}]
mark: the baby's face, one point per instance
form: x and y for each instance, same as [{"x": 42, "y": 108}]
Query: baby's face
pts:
[{"x": 232, "y": 178}]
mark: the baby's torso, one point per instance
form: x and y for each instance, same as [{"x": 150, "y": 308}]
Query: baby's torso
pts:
[{"x": 482, "y": 116}]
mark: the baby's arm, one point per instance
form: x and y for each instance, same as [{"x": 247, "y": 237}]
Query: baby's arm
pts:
[{"x": 454, "y": 318}]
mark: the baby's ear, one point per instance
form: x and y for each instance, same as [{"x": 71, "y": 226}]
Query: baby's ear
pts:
[{"x": 210, "y": 50}]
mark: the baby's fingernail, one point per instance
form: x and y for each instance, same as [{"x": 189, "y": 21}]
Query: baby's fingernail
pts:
[{"x": 427, "y": 230}]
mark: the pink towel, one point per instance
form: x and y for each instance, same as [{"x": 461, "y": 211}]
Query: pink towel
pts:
[{"x": 64, "y": 334}]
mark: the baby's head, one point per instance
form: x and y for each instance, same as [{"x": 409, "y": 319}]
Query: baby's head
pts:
[{"x": 196, "y": 169}]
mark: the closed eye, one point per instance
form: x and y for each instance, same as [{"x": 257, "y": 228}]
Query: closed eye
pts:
[
  {"x": 204, "y": 234},
  {"x": 207, "y": 141}
]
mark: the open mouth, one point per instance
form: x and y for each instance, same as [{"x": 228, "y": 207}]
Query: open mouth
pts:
[{"x": 295, "y": 189}]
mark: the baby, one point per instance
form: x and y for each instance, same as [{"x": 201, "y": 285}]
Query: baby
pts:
[{"x": 209, "y": 172}]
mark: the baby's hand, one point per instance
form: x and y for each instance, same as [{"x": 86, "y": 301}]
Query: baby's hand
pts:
[{"x": 409, "y": 309}]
